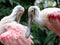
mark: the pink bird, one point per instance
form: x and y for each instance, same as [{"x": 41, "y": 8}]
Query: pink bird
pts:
[
  {"x": 17, "y": 12},
  {"x": 15, "y": 35},
  {"x": 49, "y": 17}
]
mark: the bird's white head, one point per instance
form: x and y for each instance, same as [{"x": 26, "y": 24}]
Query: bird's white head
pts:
[
  {"x": 18, "y": 8},
  {"x": 33, "y": 8},
  {"x": 18, "y": 12},
  {"x": 33, "y": 11}
]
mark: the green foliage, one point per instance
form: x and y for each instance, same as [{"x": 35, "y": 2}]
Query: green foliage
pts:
[{"x": 42, "y": 36}]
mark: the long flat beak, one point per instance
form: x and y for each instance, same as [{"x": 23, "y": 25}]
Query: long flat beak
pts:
[
  {"x": 27, "y": 34},
  {"x": 18, "y": 16}
]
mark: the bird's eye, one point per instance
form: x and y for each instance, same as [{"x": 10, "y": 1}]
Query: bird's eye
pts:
[{"x": 32, "y": 11}]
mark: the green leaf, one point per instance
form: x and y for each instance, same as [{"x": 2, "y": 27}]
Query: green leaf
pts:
[
  {"x": 50, "y": 43},
  {"x": 16, "y": 2},
  {"x": 11, "y": 2},
  {"x": 4, "y": 1},
  {"x": 49, "y": 37},
  {"x": 0, "y": 0}
]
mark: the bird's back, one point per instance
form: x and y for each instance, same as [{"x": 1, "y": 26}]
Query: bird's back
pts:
[
  {"x": 50, "y": 10},
  {"x": 45, "y": 12},
  {"x": 6, "y": 19},
  {"x": 52, "y": 16}
]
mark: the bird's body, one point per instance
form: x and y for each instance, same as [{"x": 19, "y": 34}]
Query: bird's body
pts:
[
  {"x": 18, "y": 10},
  {"x": 15, "y": 35},
  {"x": 42, "y": 16},
  {"x": 8, "y": 19},
  {"x": 4, "y": 20},
  {"x": 49, "y": 17}
]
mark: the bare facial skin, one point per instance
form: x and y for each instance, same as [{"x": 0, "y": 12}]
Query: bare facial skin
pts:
[{"x": 32, "y": 12}]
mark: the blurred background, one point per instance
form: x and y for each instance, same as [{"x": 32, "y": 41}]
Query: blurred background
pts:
[{"x": 42, "y": 36}]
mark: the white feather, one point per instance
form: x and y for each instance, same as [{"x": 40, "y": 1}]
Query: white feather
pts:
[
  {"x": 40, "y": 16},
  {"x": 10, "y": 18}
]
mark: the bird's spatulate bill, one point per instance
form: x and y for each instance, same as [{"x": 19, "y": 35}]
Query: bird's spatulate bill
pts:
[
  {"x": 19, "y": 15},
  {"x": 27, "y": 34}
]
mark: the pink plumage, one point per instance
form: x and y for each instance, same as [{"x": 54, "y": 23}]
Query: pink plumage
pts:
[
  {"x": 15, "y": 35},
  {"x": 54, "y": 16},
  {"x": 54, "y": 19}
]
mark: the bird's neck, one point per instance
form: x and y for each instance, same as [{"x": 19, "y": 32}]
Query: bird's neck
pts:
[
  {"x": 37, "y": 13},
  {"x": 38, "y": 18},
  {"x": 13, "y": 15}
]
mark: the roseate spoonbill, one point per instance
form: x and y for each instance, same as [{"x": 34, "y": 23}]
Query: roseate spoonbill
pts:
[
  {"x": 16, "y": 13},
  {"x": 15, "y": 35},
  {"x": 49, "y": 17}
]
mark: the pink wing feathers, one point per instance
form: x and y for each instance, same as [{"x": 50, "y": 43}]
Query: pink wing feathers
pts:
[
  {"x": 54, "y": 20},
  {"x": 54, "y": 16},
  {"x": 15, "y": 35}
]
